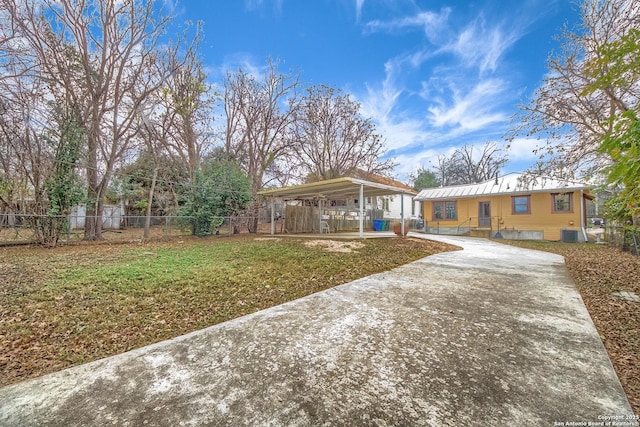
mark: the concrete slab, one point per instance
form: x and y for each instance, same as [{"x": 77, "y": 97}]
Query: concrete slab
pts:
[
  {"x": 490, "y": 335},
  {"x": 342, "y": 235}
]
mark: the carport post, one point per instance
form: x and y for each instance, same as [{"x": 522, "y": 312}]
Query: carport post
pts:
[
  {"x": 320, "y": 216},
  {"x": 273, "y": 225},
  {"x": 361, "y": 211},
  {"x": 402, "y": 213}
]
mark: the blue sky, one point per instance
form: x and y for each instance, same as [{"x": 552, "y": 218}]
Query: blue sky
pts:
[{"x": 433, "y": 75}]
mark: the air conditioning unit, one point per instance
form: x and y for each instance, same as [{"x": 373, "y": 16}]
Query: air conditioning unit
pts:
[{"x": 569, "y": 236}]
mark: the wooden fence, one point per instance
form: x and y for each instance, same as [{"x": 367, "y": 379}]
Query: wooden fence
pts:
[{"x": 304, "y": 219}]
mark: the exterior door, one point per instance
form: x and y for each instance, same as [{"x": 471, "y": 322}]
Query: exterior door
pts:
[{"x": 484, "y": 214}]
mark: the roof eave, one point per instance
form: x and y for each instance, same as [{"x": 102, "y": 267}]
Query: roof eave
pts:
[
  {"x": 338, "y": 188},
  {"x": 502, "y": 193}
]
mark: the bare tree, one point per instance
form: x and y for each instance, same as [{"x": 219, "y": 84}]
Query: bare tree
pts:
[
  {"x": 40, "y": 142},
  {"x": 26, "y": 157},
  {"x": 188, "y": 102},
  {"x": 333, "y": 140},
  {"x": 21, "y": 103},
  {"x": 153, "y": 131},
  {"x": 31, "y": 138},
  {"x": 104, "y": 56},
  {"x": 259, "y": 113},
  {"x": 570, "y": 119},
  {"x": 465, "y": 166}
]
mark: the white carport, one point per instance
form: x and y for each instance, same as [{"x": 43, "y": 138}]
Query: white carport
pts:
[{"x": 336, "y": 189}]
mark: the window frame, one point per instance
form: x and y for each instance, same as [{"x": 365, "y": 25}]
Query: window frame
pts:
[
  {"x": 443, "y": 205},
  {"x": 528, "y": 205},
  {"x": 554, "y": 202}
]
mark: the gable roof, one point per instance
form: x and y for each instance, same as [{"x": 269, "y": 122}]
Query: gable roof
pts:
[
  {"x": 513, "y": 183},
  {"x": 372, "y": 177}
]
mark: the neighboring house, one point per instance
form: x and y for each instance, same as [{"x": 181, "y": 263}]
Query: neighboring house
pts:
[
  {"x": 514, "y": 206},
  {"x": 394, "y": 206},
  {"x": 342, "y": 204}
]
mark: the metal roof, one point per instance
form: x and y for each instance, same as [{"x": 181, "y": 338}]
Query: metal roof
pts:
[
  {"x": 335, "y": 189},
  {"x": 513, "y": 183}
]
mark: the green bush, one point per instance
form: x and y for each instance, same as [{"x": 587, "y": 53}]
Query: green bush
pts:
[{"x": 219, "y": 189}]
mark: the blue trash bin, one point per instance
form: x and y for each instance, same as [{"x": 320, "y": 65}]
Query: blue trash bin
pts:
[{"x": 377, "y": 224}]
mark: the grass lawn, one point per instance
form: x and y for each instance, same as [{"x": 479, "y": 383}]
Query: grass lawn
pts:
[
  {"x": 69, "y": 305},
  {"x": 599, "y": 271}
]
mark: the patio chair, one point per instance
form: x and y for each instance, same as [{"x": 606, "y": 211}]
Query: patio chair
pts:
[{"x": 324, "y": 227}]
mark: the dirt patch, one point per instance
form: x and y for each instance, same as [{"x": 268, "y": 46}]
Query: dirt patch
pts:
[{"x": 335, "y": 246}]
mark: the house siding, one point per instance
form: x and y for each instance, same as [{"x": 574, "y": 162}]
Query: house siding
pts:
[
  {"x": 394, "y": 204},
  {"x": 541, "y": 216}
]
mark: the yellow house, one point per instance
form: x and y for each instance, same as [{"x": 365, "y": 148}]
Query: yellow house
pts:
[{"x": 514, "y": 206}]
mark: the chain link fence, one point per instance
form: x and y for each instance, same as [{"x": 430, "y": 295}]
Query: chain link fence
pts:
[
  {"x": 21, "y": 228},
  {"x": 625, "y": 238}
]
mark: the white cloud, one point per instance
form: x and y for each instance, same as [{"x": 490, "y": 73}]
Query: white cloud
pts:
[
  {"x": 379, "y": 104},
  {"x": 253, "y": 5},
  {"x": 246, "y": 61},
  {"x": 457, "y": 102},
  {"x": 426, "y": 158},
  {"x": 169, "y": 5},
  {"x": 522, "y": 149},
  {"x": 359, "y": 4},
  {"x": 432, "y": 23},
  {"x": 401, "y": 133},
  {"x": 472, "y": 110},
  {"x": 480, "y": 46}
]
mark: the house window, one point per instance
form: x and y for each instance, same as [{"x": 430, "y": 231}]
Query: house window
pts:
[
  {"x": 444, "y": 210},
  {"x": 450, "y": 210},
  {"x": 562, "y": 202},
  {"x": 521, "y": 204},
  {"x": 385, "y": 204}
]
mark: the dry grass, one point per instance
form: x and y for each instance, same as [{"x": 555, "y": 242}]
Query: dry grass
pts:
[{"x": 70, "y": 305}]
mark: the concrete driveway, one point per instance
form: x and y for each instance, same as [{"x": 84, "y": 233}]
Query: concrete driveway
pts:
[{"x": 487, "y": 336}]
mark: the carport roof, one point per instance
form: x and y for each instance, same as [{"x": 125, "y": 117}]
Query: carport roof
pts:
[{"x": 337, "y": 189}]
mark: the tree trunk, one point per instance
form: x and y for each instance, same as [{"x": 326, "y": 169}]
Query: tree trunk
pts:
[
  {"x": 98, "y": 217},
  {"x": 90, "y": 222},
  {"x": 254, "y": 207},
  {"x": 147, "y": 222},
  {"x": 254, "y": 212},
  {"x": 91, "y": 216}
]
